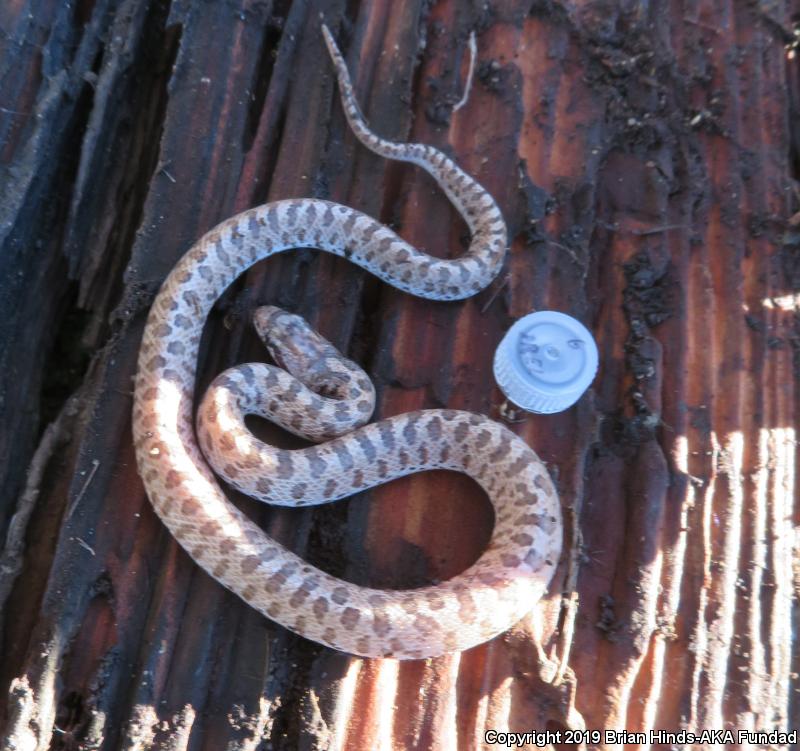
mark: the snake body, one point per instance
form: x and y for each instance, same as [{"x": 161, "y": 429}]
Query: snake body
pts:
[{"x": 486, "y": 599}]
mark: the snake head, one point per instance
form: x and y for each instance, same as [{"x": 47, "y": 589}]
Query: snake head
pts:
[
  {"x": 300, "y": 350},
  {"x": 293, "y": 344}
]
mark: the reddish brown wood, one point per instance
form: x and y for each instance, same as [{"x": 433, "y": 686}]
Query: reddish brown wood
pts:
[{"x": 645, "y": 158}]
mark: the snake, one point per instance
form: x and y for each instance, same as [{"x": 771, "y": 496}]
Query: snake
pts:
[{"x": 314, "y": 391}]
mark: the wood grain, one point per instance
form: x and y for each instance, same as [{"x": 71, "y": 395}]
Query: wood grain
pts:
[{"x": 645, "y": 157}]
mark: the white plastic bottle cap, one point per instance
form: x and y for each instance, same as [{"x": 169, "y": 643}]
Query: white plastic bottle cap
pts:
[{"x": 545, "y": 362}]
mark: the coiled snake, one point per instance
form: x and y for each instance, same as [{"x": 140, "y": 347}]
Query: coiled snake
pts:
[{"x": 483, "y": 601}]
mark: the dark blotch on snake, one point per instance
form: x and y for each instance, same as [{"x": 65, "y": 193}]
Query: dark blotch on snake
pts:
[{"x": 350, "y": 617}]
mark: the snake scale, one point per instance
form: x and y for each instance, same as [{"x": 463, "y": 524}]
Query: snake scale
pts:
[{"x": 335, "y": 396}]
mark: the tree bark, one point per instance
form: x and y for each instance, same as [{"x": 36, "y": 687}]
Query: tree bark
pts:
[{"x": 645, "y": 158}]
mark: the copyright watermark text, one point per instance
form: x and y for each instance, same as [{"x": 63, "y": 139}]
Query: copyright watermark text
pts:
[{"x": 682, "y": 737}]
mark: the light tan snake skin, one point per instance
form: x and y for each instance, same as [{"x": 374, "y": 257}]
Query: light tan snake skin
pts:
[{"x": 486, "y": 599}]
